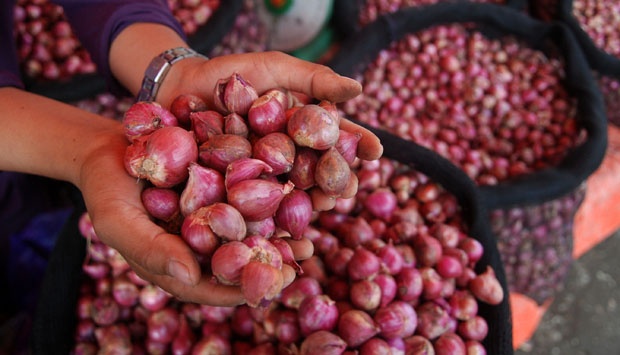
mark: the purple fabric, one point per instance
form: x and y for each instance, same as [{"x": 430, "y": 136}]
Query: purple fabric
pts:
[
  {"x": 95, "y": 22},
  {"x": 9, "y": 65}
]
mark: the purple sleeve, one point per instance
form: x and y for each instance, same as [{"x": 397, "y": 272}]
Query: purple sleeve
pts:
[
  {"x": 9, "y": 64},
  {"x": 97, "y": 22}
]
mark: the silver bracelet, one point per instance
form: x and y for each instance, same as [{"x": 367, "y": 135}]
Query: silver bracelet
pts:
[{"x": 159, "y": 67}]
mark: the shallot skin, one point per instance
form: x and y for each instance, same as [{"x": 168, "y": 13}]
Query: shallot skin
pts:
[
  {"x": 313, "y": 126},
  {"x": 162, "y": 157},
  {"x": 144, "y": 117},
  {"x": 257, "y": 199}
]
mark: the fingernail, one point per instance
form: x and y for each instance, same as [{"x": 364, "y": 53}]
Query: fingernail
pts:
[{"x": 179, "y": 272}]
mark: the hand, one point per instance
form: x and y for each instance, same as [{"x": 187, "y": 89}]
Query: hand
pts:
[
  {"x": 163, "y": 258},
  {"x": 113, "y": 202},
  {"x": 267, "y": 70}
]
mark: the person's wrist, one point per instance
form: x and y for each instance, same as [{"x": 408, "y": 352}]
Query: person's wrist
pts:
[
  {"x": 185, "y": 77},
  {"x": 159, "y": 69}
]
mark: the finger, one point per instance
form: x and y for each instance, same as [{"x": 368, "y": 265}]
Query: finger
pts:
[
  {"x": 315, "y": 80},
  {"x": 205, "y": 291},
  {"x": 288, "y": 274},
  {"x": 273, "y": 69},
  {"x": 369, "y": 146},
  {"x": 302, "y": 248},
  {"x": 321, "y": 201}
]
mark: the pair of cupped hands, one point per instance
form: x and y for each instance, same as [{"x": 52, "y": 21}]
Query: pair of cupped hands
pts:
[{"x": 113, "y": 200}]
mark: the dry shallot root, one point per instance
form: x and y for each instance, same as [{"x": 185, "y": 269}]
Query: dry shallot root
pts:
[{"x": 234, "y": 179}]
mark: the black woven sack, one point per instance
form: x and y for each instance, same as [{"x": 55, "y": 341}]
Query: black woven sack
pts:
[
  {"x": 347, "y": 19},
  {"x": 86, "y": 86},
  {"x": 54, "y": 319},
  {"x": 529, "y": 192},
  {"x": 543, "y": 185}
]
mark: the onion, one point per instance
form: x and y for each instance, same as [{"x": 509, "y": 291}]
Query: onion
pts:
[
  {"x": 222, "y": 149},
  {"x": 304, "y": 167},
  {"x": 365, "y": 295},
  {"x": 206, "y": 124},
  {"x": 161, "y": 203},
  {"x": 313, "y": 126},
  {"x": 332, "y": 173},
  {"x": 183, "y": 105},
  {"x": 356, "y": 326},
  {"x": 294, "y": 213},
  {"x": 260, "y": 283},
  {"x": 142, "y": 118},
  {"x": 257, "y": 199},
  {"x": 486, "y": 287},
  {"x": 449, "y": 343},
  {"x": 266, "y": 115},
  {"x": 245, "y": 168},
  {"x": 317, "y": 312},
  {"x": 234, "y": 95},
  {"x": 162, "y": 157},
  {"x": 396, "y": 320},
  {"x": 228, "y": 260},
  {"x": 162, "y": 325},
  {"x": 277, "y": 150},
  {"x": 204, "y": 186},
  {"x": 298, "y": 290},
  {"x": 363, "y": 264},
  {"x": 322, "y": 342}
]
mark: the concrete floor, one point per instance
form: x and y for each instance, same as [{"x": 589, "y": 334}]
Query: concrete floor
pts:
[{"x": 585, "y": 317}]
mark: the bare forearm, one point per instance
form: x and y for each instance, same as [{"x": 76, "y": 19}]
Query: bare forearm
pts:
[
  {"x": 49, "y": 138},
  {"x": 130, "y": 53}
]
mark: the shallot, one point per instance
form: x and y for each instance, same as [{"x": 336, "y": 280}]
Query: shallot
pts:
[{"x": 162, "y": 157}]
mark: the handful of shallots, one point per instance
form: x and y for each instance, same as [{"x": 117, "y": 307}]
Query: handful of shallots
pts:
[{"x": 236, "y": 179}]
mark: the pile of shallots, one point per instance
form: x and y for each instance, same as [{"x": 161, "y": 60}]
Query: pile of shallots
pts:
[
  {"x": 370, "y": 10},
  {"x": 192, "y": 14},
  {"x": 106, "y": 104},
  {"x": 599, "y": 19},
  {"x": 49, "y": 49},
  {"x": 393, "y": 273},
  {"x": 247, "y": 34},
  {"x": 47, "y": 46},
  {"x": 497, "y": 108},
  {"x": 234, "y": 179}
]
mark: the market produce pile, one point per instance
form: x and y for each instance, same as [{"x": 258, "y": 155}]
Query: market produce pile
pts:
[
  {"x": 370, "y": 10},
  {"x": 495, "y": 108},
  {"x": 601, "y": 21},
  {"x": 247, "y": 34},
  {"x": 49, "y": 49},
  {"x": 394, "y": 265}
]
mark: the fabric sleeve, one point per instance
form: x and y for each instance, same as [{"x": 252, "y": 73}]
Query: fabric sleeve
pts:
[{"x": 96, "y": 23}]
